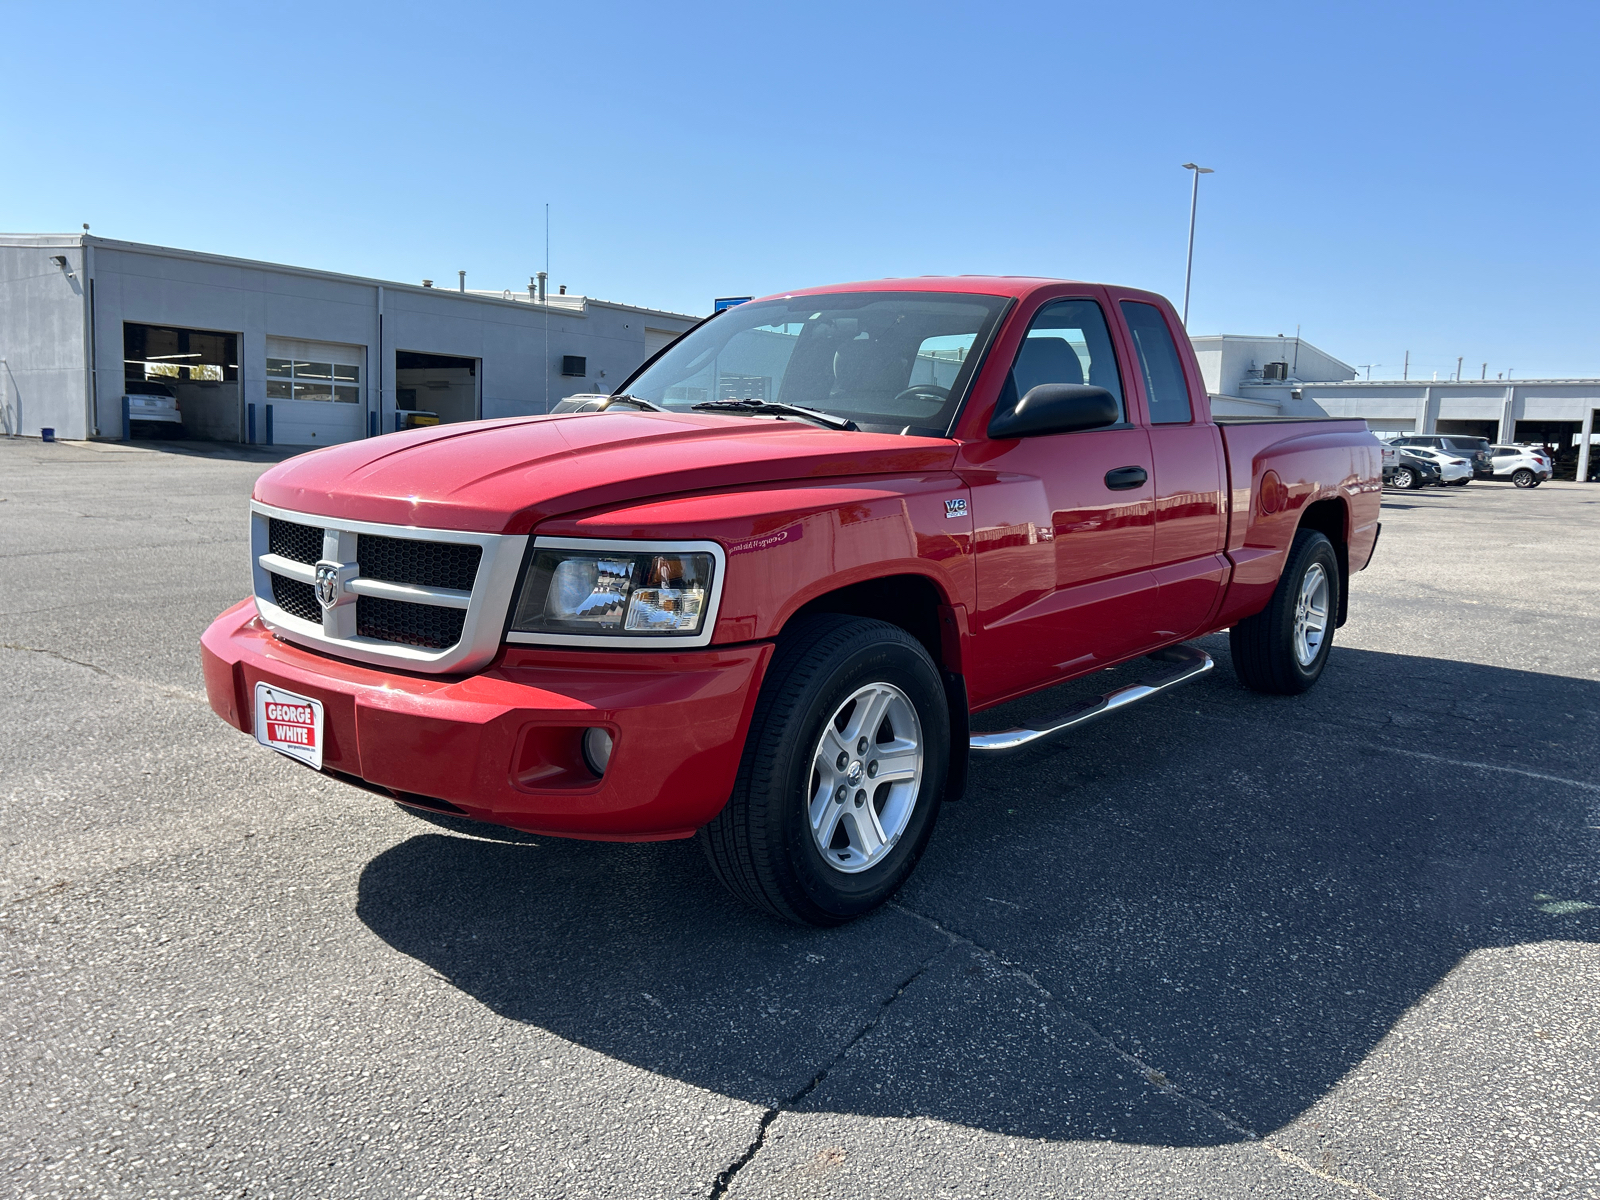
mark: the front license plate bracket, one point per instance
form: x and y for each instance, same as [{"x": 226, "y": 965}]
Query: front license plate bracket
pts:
[{"x": 290, "y": 724}]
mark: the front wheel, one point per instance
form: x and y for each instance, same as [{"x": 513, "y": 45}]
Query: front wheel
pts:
[
  {"x": 1524, "y": 478},
  {"x": 842, "y": 773},
  {"x": 1284, "y": 647}
]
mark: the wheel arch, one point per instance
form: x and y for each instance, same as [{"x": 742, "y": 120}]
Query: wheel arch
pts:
[
  {"x": 916, "y": 604},
  {"x": 1331, "y": 518}
]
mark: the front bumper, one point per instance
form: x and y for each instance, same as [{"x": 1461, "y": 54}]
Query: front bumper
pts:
[{"x": 503, "y": 745}]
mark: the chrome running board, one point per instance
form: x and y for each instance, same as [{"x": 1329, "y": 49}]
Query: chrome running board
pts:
[{"x": 1177, "y": 664}]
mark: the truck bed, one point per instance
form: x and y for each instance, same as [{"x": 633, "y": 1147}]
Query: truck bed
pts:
[{"x": 1238, "y": 420}]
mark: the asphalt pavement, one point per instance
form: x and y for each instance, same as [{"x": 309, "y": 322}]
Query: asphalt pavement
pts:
[{"x": 1222, "y": 945}]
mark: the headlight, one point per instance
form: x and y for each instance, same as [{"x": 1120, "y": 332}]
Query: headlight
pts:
[{"x": 600, "y": 593}]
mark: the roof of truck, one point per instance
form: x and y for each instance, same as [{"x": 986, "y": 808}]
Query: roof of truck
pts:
[{"x": 990, "y": 285}]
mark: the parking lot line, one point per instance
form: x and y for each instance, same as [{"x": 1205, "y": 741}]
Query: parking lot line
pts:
[{"x": 1478, "y": 766}]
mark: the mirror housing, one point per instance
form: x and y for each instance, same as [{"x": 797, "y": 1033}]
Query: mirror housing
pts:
[{"x": 1057, "y": 408}]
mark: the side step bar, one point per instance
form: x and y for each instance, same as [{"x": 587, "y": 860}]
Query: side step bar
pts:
[{"x": 1176, "y": 664}]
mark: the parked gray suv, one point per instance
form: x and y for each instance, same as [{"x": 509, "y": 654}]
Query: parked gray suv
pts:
[{"x": 1474, "y": 449}]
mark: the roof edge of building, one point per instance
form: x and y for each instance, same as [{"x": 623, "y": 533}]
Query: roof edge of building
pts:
[
  {"x": 43, "y": 240},
  {"x": 1268, "y": 337}
]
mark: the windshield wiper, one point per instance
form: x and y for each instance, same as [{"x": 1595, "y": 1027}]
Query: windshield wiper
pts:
[
  {"x": 629, "y": 398},
  {"x": 772, "y": 408}
]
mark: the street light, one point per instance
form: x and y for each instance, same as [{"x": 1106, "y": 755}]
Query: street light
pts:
[{"x": 1194, "y": 199}]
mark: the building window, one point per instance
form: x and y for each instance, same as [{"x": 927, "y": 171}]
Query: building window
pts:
[{"x": 313, "y": 371}]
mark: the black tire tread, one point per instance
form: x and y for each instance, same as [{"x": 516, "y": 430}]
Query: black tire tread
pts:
[
  {"x": 1258, "y": 642},
  {"x": 734, "y": 841}
]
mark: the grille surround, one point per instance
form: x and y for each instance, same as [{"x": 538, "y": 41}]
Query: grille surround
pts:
[{"x": 431, "y": 600}]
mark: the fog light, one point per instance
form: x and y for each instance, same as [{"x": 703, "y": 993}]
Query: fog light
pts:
[{"x": 596, "y": 749}]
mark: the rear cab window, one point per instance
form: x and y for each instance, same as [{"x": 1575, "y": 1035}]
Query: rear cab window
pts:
[{"x": 1165, "y": 388}]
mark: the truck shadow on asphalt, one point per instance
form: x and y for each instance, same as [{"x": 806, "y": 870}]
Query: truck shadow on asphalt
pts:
[{"x": 1181, "y": 928}]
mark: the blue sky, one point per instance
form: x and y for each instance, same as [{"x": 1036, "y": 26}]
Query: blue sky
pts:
[{"x": 1390, "y": 177}]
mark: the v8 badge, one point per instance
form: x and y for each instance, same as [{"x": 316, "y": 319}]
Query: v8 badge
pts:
[{"x": 955, "y": 508}]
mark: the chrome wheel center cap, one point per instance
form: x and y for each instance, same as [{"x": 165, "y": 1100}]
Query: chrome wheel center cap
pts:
[{"x": 853, "y": 775}]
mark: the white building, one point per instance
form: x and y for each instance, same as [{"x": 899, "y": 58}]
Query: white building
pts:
[
  {"x": 1267, "y": 376},
  {"x": 314, "y": 356}
]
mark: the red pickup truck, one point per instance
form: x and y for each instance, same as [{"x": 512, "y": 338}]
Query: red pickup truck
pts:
[{"x": 763, "y": 593}]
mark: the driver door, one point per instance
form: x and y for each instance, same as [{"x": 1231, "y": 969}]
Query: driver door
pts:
[{"x": 1063, "y": 524}]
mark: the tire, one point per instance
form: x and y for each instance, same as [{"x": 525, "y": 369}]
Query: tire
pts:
[
  {"x": 1269, "y": 653},
  {"x": 761, "y": 846},
  {"x": 1459, "y": 482},
  {"x": 1524, "y": 478},
  {"x": 1405, "y": 478}
]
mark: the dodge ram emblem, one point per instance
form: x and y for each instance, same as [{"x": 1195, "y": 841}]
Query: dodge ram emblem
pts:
[{"x": 328, "y": 583}]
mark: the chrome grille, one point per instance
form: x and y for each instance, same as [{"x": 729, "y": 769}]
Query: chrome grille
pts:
[
  {"x": 302, "y": 543},
  {"x": 426, "y": 564},
  {"x": 423, "y": 599}
]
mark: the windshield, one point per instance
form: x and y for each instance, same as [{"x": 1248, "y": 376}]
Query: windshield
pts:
[{"x": 892, "y": 362}]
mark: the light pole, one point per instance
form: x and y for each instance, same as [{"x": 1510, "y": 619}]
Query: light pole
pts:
[{"x": 1194, "y": 199}]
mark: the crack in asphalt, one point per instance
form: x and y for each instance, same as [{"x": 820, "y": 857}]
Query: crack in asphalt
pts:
[
  {"x": 1155, "y": 1078},
  {"x": 725, "y": 1180},
  {"x": 1150, "y": 1074},
  {"x": 164, "y": 690},
  {"x": 56, "y": 654}
]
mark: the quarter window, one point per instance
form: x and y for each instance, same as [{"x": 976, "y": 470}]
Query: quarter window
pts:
[{"x": 1166, "y": 391}]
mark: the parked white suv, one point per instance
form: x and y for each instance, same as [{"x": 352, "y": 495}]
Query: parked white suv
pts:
[{"x": 1523, "y": 465}]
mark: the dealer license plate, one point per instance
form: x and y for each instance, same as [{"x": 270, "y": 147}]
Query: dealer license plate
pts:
[{"x": 290, "y": 724}]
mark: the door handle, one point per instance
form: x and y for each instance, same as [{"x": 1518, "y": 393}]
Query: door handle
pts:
[{"x": 1121, "y": 478}]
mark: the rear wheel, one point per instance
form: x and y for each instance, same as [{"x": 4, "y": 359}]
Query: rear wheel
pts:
[
  {"x": 1284, "y": 647},
  {"x": 1524, "y": 478},
  {"x": 1405, "y": 478},
  {"x": 1460, "y": 482},
  {"x": 842, "y": 773}
]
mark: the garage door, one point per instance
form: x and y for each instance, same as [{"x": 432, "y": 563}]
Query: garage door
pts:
[{"x": 317, "y": 392}]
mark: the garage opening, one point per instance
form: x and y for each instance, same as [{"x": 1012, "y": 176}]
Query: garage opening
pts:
[
  {"x": 1485, "y": 429},
  {"x": 435, "y": 389},
  {"x": 181, "y": 382},
  {"x": 1561, "y": 436}
]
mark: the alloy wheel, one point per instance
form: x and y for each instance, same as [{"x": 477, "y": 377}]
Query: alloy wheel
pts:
[
  {"x": 866, "y": 775},
  {"x": 1311, "y": 614}
]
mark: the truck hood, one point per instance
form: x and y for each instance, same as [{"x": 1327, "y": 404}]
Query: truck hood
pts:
[{"x": 507, "y": 476}]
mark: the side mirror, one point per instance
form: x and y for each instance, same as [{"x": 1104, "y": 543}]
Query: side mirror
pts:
[{"x": 1057, "y": 408}]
